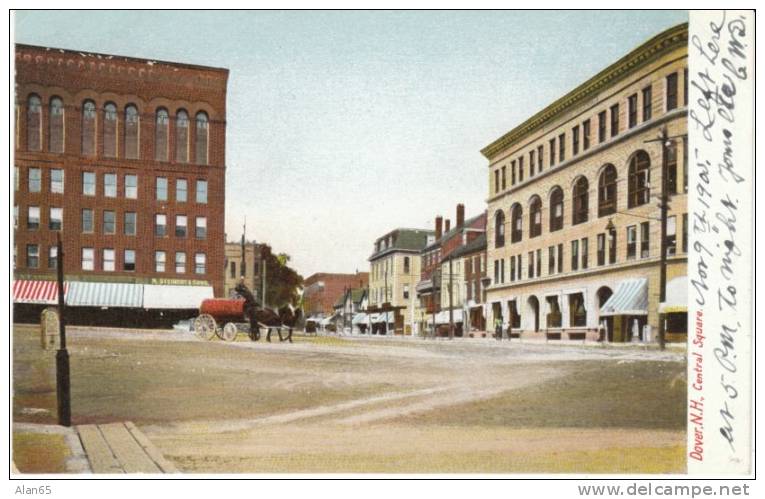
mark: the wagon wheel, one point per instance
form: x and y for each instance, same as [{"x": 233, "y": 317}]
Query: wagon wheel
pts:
[
  {"x": 205, "y": 327},
  {"x": 229, "y": 331}
]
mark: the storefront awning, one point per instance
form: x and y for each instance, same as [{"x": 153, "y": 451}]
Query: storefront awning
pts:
[
  {"x": 105, "y": 294},
  {"x": 442, "y": 317},
  {"x": 630, "y": 298},
  {"x": 359, "y": 319},
  {"x": 157, "y": 296},
  {"x": 677, "y": 296},
  {"x": 328, "y": 320},
  {"x": 424, "y": 285},
  {"x": 38, "y": 292},
  {"x": 387, "y": 317}
]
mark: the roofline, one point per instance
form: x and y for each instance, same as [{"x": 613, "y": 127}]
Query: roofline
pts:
[
  {"x": 647, "y": 52},
  {"x": 123, "y": 57},
  {"x": 385, "y": 252}
]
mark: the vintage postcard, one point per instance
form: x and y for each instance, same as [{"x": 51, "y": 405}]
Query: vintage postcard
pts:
[{"x": 383, "y": 243}]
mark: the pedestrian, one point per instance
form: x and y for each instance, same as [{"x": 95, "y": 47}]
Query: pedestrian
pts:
[{"x": 498, "y": 328}]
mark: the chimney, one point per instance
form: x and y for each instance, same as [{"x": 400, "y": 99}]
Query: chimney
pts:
[
  {"x": 448, "y": 225},
  {"x": 460, "y": 215},
  {"x": 439, "y": 227}
]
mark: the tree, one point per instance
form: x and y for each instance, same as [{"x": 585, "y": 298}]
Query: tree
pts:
[{"x": 283, "y": 283}]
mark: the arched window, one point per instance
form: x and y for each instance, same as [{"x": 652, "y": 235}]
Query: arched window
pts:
[
  {"x": 182, "y": 137},
  {"x": 202, "y": 134},
  {"x": 110, "y": 130},
  {"x": 535, "y": 217},
  {"x": 89, "y": 128},
  {"x": 607, "y": 191},
  {"x": 56, "y": 125},
  {"x": 556, "y": 209},
  {"x": 34, "y": 123},
  {"x": 581, "y": 210},
  {"x": 161, "y": 134},
  {"x": 132, "y": 130},
  {"x": 499, "y": 229},
  {"x": 639, "y": 190},
  {"x": 516, "y": 227},
  {"x": 406, "y": 265}
]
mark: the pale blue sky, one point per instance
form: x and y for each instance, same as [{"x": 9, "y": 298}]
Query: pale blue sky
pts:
[{"x": 345, "y": 125}]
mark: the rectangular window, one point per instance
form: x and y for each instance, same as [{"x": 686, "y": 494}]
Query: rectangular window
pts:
[
  {"x": 201, "y": 231},
  {"x": 110, "y": 185},
  {"x": 644, "y": 240},
  {"x": 612, "y": 247},
  {"x": 685, "y": 164},
  {"x": 631, "y": 242},
  {"x": 647, "y": 103},
  {"x": 671, "y": 91},
  {"x": 560, "y": 258},
  {"x": 35, "y": 180},
  {"x": 88, "y": 258},
  {"x": 672, "y": 169},
  {"x": 53, "y": 257},
  {"x": 88, "y": 183},
  {"x": 57, "y": 181},
  {"x": 530, "y": 271},
  {"x": 33, "y": 217},
  {"x": 632, "y": 110},
  {"x": 496, "y": 271},
  {"x": 130, "y": 223},
  {"x": 56, "y": 219},
  {"x": 575, "y": 254},
  {"x": 199, "y": 263},
  {"x": 202, "y": 191},
  {"x": 181, "y": 190},
  {"x": 520, "y": 267},
  {"x": 575, "y": 140},
  {"x": 520, "y": 169},
  {"x": 161, "y": 189},
  {"x": 496, "y": 181},
  {"x": 586, "y": 135},
  {"x": 160, "y": 225},
  {"x": 128, "y": 261},
  {"x": 109, "y": 223},
  {"x": 502, "y": 271},
  {"x": 504, "y": 178},
  {"x": 159, "y": 261},
  {"x": 532, "y": 165},
  {"x": 685, "y": 232},
  {"x": 561, "y": 147},
  {"x": 108, "y": 260},
  {"x": 180, "y": 262},
  {"x": 16, "y": 216},
  {"x": 540, "y": 157},
  {"x": 33, "y": 256},
  {"x": 512, "y": 268},
  {"x": 539, "y": 262},
  {"x": 551, "y": 260},
  {"x": 552, "y": 152},
  {"x": 685, "y": 86},
  {"x": 601, "y": 249},
  {"x": 180, "y": 225},
  {"x": 585, "y": 253},
  {"x": 87, "y": 220},
  {"x": 406, "y": 292},
  {"x": 513, "y": 172},
  {"x": 614, "y": 120},
  {"x": 671, "y": 236},
  {"x": 602, "y": 126},
  {"x": 131, "y": 186}
]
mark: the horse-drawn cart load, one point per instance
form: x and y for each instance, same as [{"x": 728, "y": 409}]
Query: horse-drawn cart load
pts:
[{"x": 226, "y": 317}]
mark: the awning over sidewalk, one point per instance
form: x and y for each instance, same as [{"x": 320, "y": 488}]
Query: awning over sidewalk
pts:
[
  {"x": 175, "y": 297},
  {"x": 442, "y": 317},
  {"x": 630, "y": 298},
  {"x": 359, "y": 319},
  {"x": 104, "y": 294},
  {"x": 386, "y": 317},
  {"x": 677, "y": 296},
  {"x": 424, "y": 285},
  {"x": 37, "y": 292}
]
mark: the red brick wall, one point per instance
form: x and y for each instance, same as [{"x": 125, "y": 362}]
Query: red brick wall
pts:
[
  {"x": 322, "y": 301},
  {"x": 148, "y": 85}
]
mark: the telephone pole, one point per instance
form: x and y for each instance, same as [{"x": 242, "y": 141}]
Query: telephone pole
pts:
[
  {"x": 451, "y": 304},
  {"x": 665, "y": 143},
  {"x": 63, "y": 391}
]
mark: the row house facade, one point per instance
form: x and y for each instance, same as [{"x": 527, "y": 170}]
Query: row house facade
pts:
[
  {"x": 393, "y": 275},
  {"x": 125, "y": 158},
  {"x": 573, "y": 208}
]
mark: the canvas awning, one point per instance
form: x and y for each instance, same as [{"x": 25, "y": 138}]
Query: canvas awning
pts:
[
  {"x": 442, "y": 317},
  {"x": 677, "y": 296},
  {"x": 359, "y": 319},
  {"x": 105, "y": 294},
  {"x": 387, "y": 317},
  {"x": 157, "y": 296},
  {"x": 424, "y": 285},
  {"x": 38, "y": 292},
  {"x": 630, "y": 298},
  {"x": 328, "y": 320}
]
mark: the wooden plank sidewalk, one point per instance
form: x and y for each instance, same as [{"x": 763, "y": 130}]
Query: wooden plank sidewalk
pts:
[{"x": 121, "y": 448}]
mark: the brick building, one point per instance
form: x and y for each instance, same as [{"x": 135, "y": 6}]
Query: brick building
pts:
[
  {"x": 574, "y": 223},
  {"x": 125, "y": 158},
  {"x": 322, "y": 290}
]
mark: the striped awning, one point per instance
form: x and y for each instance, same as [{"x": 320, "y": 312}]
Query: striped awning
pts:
[
  {"x": 677, "y": 296},
  {"x": 38, "y": 292},
  {"x": 105, "y": 294},
  {"x": 157, "y": 296},
  {"x": 442, "y": 317},
  {"x": 359, "y": 319},
  {"x": 630, "y": 298},
  {"x": 383, "y": 317}
]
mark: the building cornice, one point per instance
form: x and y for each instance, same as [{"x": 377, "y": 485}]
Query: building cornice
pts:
[{"x": 643, "y": 55}]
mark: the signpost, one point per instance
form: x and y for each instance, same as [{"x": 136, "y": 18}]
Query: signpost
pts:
[{"x": 63, "y": 393}]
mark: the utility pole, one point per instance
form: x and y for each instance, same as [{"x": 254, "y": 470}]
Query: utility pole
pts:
[
  {"x": 451, "y": 310},
  {"x": 264, "y": 257},
  {"x": 63, "y": 392},
  {"x": 664, "y": 207}
]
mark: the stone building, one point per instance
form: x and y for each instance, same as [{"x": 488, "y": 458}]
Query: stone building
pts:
[
  {"x": 573, "y": 237},
  {"x": 393, "y": 276},
  {"x": 124, "y": 157},
  {"x": 235, "y": 269}
]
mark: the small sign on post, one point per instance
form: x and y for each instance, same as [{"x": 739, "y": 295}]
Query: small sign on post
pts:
[{"x": 49, "y": 328}]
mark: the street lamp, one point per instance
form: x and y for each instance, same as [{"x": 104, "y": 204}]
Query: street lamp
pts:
[{"x": 63, "y": 391}]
